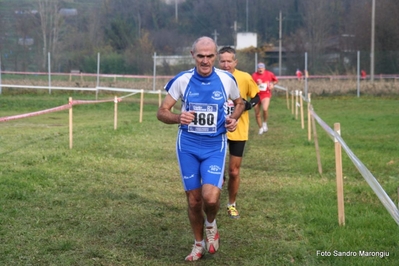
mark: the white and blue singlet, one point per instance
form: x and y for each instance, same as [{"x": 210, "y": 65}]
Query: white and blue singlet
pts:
[{"x": 201, "y": 146}]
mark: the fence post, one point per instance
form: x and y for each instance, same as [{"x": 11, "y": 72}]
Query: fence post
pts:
[
  {"x": 49, "y": 73},
  {"x": 287, "y": 99},
  {"x": 115, "y": 112},
  {"x": 155, "y": 72},
  {"x": 0, "y": 79},
  {"x": 316, "y": 145},
  {"x": 340, "y": 183},
  {"x": 301, "y": 103},
  {"x": 296, "y": 104},
  {"x": 309, "y": 120},
  {"x": 292, "y": 102},
  {"x": 141, "y": 105}
]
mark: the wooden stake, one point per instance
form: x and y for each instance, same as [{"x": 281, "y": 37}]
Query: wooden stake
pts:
[
  {"x": 292, "y": 102},
  {"x": 296, "y": 104},
  {"x": 309, "y": 120},
  {"x": 340, "y": 182},
  {"x": 141, "y": 105},
  {"x": 287, "y": 99},
  {"x": 115, "y": 112},
  {"x": 316, "y": 144},
  {"x": 301, "y": 103}
]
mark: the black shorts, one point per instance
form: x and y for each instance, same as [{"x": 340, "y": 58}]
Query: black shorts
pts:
[{"x": 236, "y": 147}]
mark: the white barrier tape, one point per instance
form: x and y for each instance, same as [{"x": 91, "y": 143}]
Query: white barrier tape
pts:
[
  {"x": 131, "y": 94},
  {"x": 367, "y": 175},
  {"x": 55, "y": 109},
  {"x": 117, "y": 89},
  {"x": 84, "y": 74},
  {"x": 47, "y": 87},
  {"x": 133, "y": 91},
  {"x": 280, "y": 88},
  {"x": 75, "y": 102}
]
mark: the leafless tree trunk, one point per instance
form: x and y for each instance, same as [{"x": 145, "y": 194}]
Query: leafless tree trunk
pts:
[{"x": 50, "y": 21}]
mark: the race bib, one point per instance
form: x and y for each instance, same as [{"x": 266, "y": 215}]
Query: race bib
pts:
[
  {"x": 205, "y": 118},
  {"x": 263, "y": 86},
  {"x": 229, "y": 107}
]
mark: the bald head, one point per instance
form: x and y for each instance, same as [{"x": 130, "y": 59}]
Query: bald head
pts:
[
  {"x": 204, "y": 41},
  {"x": 204, "y": 52}
]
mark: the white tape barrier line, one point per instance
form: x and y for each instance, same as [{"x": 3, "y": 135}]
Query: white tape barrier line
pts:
[
  {"x": 131, "y": 94},
  {"x": 279, "y": 87},
  {"x": 75, "y": 102},
  {"x": 129, "y": 90},
  {"x": 46, "y": 87},
  {"x": 51, "y": 110},
  {"x": 77, "y": 88},
  {"x": 118, "y": 89},
  {"x": 55, "y": 109},
  {"x": 373, "y": 183}
]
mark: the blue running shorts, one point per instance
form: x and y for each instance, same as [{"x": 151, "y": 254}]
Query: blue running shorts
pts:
[{"x": 201, "y": 159}]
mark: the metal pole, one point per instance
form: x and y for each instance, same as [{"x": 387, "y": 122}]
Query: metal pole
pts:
[
  {"x": 372, "y": 41},
  {"x": 247, "y": 15},
  {"x": 306, "y": 74},
  {"x": 280, "y": 44},
  {"x": 49, "y": 73},
  {"x": 358, "y": 73},
  {"x": 1, "y": 86},
  {"x": 98, "y": 74},
  {"x": 155, "y": 71},
  {"x": 176, "y": 16},
  {"x": 98, "y": 69},
  {"x": 256, "y": 61}
]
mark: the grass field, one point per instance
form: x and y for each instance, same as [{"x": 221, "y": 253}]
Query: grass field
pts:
[{"x": 116, "y": 197}]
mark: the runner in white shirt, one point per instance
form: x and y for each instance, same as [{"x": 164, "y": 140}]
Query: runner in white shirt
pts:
[{"x": 201, "y": 141}]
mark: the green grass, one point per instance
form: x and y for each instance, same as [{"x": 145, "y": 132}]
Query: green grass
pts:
[{"x": 116, "y": 197}]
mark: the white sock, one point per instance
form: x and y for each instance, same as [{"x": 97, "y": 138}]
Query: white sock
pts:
[
  {"x": 208, "y": 224},
  {"x": 202, "y": 242},
  {"x": 233, "y": 204}
]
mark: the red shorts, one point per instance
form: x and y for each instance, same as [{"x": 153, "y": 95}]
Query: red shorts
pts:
[{"x": 265, "y": 94}]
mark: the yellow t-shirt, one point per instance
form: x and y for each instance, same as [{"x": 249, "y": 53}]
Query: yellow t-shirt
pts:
[{"x": 248, "y": 89}]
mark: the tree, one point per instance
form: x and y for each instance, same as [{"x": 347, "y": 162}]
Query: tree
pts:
[{"x": 50, "y": 23}]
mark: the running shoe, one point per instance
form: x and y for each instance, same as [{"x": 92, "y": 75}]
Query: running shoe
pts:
[
  {"x": 197, "y": 253},
  {"x": 212, "y": 239},
  {"x": 232, "y": 212},
  {"x": 260, "y": 131},
  {"x": 265, "y": 129}
]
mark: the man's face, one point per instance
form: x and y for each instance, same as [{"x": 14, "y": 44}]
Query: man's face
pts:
[
  {"x": 261, "y": 70},
  {"x": 204, "y": 55},
  {"x": 227, "y": 62}
]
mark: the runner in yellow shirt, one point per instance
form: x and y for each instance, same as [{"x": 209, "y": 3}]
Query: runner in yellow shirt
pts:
[{"x": 248, "y": 89}]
